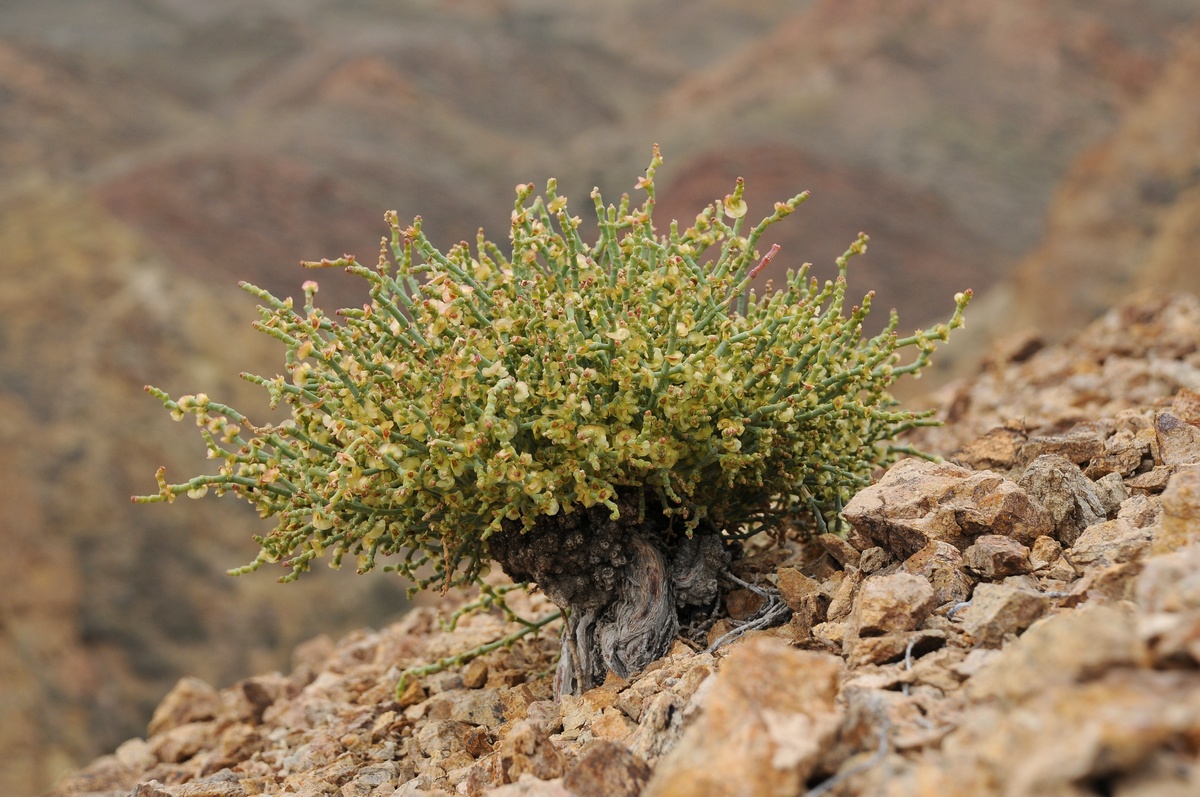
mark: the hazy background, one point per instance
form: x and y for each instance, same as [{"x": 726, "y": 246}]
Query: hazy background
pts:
[{"x": 155, "y": 152}]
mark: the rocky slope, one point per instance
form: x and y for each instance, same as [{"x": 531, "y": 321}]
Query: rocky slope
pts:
[
  {"x": 153, "y": 152},
  {"x": 1021, "y": 619}
]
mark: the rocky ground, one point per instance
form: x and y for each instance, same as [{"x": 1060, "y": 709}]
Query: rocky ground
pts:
[
  {"x": 155, "y": 152},
  {"x": 1022, "y": 618}
]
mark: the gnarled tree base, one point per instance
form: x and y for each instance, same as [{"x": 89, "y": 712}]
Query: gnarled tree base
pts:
[{"x": 622, "y": 583}]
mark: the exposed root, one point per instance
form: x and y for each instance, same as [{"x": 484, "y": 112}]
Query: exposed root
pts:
[
  {"x": 622, "y": 583},
  {"x": 773, "y": 612}
]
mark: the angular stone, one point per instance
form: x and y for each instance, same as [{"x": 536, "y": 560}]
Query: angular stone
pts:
[
  {"x": 997, "y": 610},
  {"x": 994, "y": 557},
  {"x": 839, "y": 549},
  {"x": 1070, "y": 497},
  {"x": 1122, "y": 456},
  {"x": 891, "y": 647},
  {"x": 1152, "y": 481},
  {"x": 472, "y": 706},
  {"x": 994, "y": 450},
  {"x": 612, "y": 725},
  {"x": 896, "y": 602},
  {"x": 1104, "y": 585},
  {"x": 941, "y": 564},
  {"x": 1061, "y": 649},
  {"x": 1186, "y": 406},
  {"x": 191, "y": 700},
  {"x": 1139, "y": 511},
  {"x": 659, "y": 727},
  {"x": 742, "y": 604},
  {"x": 833, "y": 633},
  {"x": 182, "y": 741},
  {"x": 1178, "y": 441},
  {"x": 527, "y": 750},
  {"x": 475, "y": 674},
  {"x": 1112, "y": 727},
  {"x": 1061, "y": 570},
  {"x": 441, "y": 738},
  {"x": 917, "y": 501},
  {"x": 414, "y": 693},
  {"x": 1170, "y": 584},
  {"x": 1179, "y": 524},
  {"x": 1111, "y": 491},
  {"x": 1045, "y": 552},
  {"x": 1168, "y": 591},
  {"x": 527, "y": 786},
  {"x": 752, "y": 737},
  {"x": 607, "y": 769},
  {"x": 842, "y": 600},
  {"x": 370, "y": 778},
  {"x": 873, "y": 560},
  {"x": 803, "y": 597},
  {"x": 1109, "y": 543},
  {"x": 1077, "y": 446}
]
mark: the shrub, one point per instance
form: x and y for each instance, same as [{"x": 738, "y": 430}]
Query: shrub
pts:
[{"x": 600, "y": 418}]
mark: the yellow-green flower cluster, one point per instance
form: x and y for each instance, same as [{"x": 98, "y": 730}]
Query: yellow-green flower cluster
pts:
[{"x": 483, "y": 384}]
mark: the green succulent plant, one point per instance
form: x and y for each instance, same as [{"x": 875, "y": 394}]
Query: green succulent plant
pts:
[{"x": 487, "y": 395}]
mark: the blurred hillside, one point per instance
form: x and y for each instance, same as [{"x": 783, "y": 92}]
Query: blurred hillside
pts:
[{"x": 154, "y": 152}]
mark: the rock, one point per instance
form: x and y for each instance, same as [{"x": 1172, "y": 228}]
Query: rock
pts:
[
  {"x": 1186, "y": 406},
  {"x": 442, "y": 738},
  {"x": 475, "y": 674},
  {"x": 182, "y": 741},
  {"x": 1108, "y": 543},
  {"x": 1178, "y": 441},
  {"x": 998, "y": 610},
  {"x": 993, "y": 557},
  {"x": 472, "y": 706},
  {"x": 742, "y": 604},
  {"x": 1059, "y": 650},
  {"x": 1045, "y": 552},
  {"x": 527, "y": 750},
  {"x": 1111, "y": 491},
  {"x": 941, "y": 564},
  {"x": 873, "y": 560},
  {"x": 528, "y": 786},
  {"x": 918, "y": 501},
  {"x": 802, "y": 595},
  {"x": 891, "y": 647},
  {"x": 845, "y": 584},
  {"x": 368, "y": 779},
  {"x": 839, "y": 549},
  {"x": 1152, "y": 481},
  {"x": 752, "y": 738},
  {"x": 1060, "y": 486},
  {"x": 1077, "y": 446},
  {"x": 1120, "y": 458},
  {"x": 886, "y": 604},
  {"x": 612, "y": 725},
  {"x": 606, "y": 769},
  {"x": 996, "y": 449},
  {"x": 1109, "y": 728},
  {"x": 153, "y": 788},
  {"x": 659, "y": 727},
  {"x": 1168, "y": 592},
  {"x": 1104, "y": 585},
  {"x": 1179, "y": 524},
  {"x": 191, "y": 700},
  {"x": 833, "y": 633}
]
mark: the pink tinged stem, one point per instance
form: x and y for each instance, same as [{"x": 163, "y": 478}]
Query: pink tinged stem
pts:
[{"x": 767, "y": 258}]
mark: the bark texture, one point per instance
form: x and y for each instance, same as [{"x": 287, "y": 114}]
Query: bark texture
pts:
[{"x": 623, "y": 583}]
